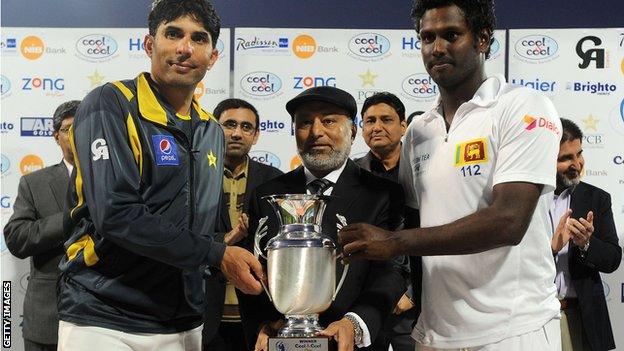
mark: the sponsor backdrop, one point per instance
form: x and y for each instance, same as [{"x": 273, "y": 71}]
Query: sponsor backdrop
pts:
[{"x": 581, "y": 70}]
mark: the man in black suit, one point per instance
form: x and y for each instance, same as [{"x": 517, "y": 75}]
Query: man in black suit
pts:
[
  {"x": 584, "y": 244},
  {"x": 240, "y": 121},
  {"x": 35, "y": 230},
  {"x": 324, "y": 132}
]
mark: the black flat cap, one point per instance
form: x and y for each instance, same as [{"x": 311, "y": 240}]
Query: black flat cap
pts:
[{"x": 330, "y": 95}]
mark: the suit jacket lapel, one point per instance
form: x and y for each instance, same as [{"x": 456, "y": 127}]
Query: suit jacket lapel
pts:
[
  {"x": 59, "y": 184},
  {"x": 344, "y": 194}
]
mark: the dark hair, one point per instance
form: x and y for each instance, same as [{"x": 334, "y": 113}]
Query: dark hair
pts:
[
  {"x": 479, "y": 14},
  {"x": 64, "y": 111},
  {"x": 229, "y": 104},
  {"x": 412, "y": 115},
  {"x": 385, "y": 98},
  {"x": 164, "y": 11},
  {"x": 570, "y": 131}
]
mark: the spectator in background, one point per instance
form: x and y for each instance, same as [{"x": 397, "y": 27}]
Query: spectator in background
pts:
[
  {"x": 35, "y": 230},
  {"x": 584, "y": 244},
  {"x": 241, "y": 175}
]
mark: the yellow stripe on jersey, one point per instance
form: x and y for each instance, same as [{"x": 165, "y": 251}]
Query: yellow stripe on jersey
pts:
[
  {"x": 87, "y": 246},
  {"x": 135, "y": 143},
  {"x": 78, "y": 182},
  {"x": 149, "y": 107},
  {"x": 124, "y": 90}
]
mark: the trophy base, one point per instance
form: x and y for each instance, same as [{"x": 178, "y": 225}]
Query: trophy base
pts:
[
  {"x": 322, "y": 343},
  {"x": 300, "y": 326}
]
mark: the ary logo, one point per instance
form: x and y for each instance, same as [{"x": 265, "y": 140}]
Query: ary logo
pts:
[
  {"x": 369, "y": 46},
  {"x": 99, "y": 150},
  {"x": 271, "y": 126},
  {"x": 36, "y": 127},
  {"x": 269, "y": 46},
  {"x": 96, "y": 47},
  {"x": 5, "y": 86},
  {"x": 305, "y": 82},
  {"x": 261, "y": 84},
  {"x": 597, "y": 88},
  {"x": 535, "y": 83},
  {"x": 5, "y": 164},
  {"x": 268, "y": 158},
  {"x": 536, "y": 48},
  {"x": 595, "y": 53},
  {"x": 420, "y": 87}
]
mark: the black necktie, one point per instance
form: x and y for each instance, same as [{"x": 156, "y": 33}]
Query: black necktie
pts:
[{"x": 318, "y": 186}]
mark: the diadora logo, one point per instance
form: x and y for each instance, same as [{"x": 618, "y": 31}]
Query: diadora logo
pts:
[
  {"x": 47, "y": 84},
  {"x": 165, "y": 150},
  {"x": 597, "y": 88},
  {"x": 587, "y": 48},
  {"x": 32, "y": 47},
  {"x": 304, "y": 46},
  {"x": 36, "y": 126},
  {"x": 369, "y": 45},
  {"x": 5, "y": 85},
  {"x": 99, "y": 150},
  {"x": 536, "y": 84},
  {"x": 271, "y": 126},
  {"x": 30, "y": 163},
  {"x": 540, "y": 122},
  {"x": 306, "y": 82},
  {"x": 96, "y": 47},
  {"x": 266, "y": 157},
  {"x": 265, "y": 45},
  {"x": 537, "y": 48},
  {"x": 420, "y": 86},
  {"x": 261, "y": 84}
]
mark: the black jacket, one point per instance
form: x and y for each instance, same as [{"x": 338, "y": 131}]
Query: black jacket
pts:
[
  {"x": 604, "y": 255},
  {"x": 371, "y": 288},
  {"x": 142, "y": 209}
]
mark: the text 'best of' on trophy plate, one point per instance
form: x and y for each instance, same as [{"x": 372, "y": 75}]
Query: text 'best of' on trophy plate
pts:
[{"x": 301, "y": 270}]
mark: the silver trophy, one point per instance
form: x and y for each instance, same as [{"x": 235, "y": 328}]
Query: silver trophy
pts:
[{"x": 301, "y": 262}]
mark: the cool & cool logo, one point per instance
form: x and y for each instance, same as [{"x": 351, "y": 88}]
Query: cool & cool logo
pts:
[
  {"x": 261, "y": 83},
  {"x": 536, "y": 47},
  {"x": 96, "y": 47}
]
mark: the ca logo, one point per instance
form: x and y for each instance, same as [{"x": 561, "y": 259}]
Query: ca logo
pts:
[{"x": 99, "y": 149}]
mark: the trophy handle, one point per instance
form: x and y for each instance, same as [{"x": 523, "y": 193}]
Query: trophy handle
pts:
[
  {"x": 341, "y": 222},
  {"x": 262, "y": 230}
]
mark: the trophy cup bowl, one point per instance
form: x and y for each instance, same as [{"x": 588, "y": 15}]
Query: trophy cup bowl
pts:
[{"x": 301, "y": 263}]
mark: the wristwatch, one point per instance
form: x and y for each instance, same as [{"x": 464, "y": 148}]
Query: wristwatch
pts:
[
  {"x": 584, "y": 249},
  {"x": 359, "y": 334}
]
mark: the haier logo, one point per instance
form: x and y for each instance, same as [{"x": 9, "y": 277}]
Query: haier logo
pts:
[
  {"x": 369, "y": 45},
  {"x": 266, "y": 157},
  {"x": 592, "y": 87},
  {"x": 536, "y": 84},
  {"x": 96, "y": 47},
  {"x": 588, "y": 52},
  {"x": 136, "y": 44},
  {"x": 36, "y": 127},
  {"x": 47, "y": 84},
  {"x": 536, "y": 47},
  {"x": 271, "y": 126},
  {"x": 313, "y": 81},
  {"x": 261, "y": 83},
  {"x": 420, "y": 86},
  {"x": 410, "y": 43}
]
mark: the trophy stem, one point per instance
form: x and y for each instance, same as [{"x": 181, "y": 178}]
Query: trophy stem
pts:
[{"x": 300, "y": 326}]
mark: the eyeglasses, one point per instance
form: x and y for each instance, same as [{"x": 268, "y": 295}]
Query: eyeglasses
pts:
[
  {"x": 64, "y": 130},
  {"x": 232, "y": 125}
]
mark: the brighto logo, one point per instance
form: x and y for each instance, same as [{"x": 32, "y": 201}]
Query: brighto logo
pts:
[
  {"x": 536, "y": 47},
  {"x": 420, "y": 86},
  {"x": 271, "y": 126},
  {"x": 261, "y": 83},
  {"x": 369, "y": 45},
  {"x": 536, "y": 84},
  {"x": 592, "y": 87},
  {"x": 96, "y": 47},
  {"x": 305, "y": 82}
]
